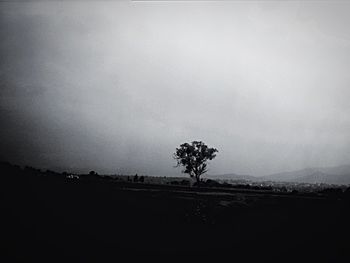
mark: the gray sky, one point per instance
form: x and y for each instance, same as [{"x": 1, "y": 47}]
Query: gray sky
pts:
[{"x": 115, "y": 86}]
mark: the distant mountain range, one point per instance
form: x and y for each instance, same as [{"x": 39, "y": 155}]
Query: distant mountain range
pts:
[{"x": 328, "y": 175}]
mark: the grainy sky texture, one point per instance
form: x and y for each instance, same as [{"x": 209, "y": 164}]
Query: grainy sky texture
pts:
[{"x": 115, "y": 86}]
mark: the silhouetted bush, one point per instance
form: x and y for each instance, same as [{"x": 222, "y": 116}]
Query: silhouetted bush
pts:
[
  {"x": 185, "y": 182},
  {"x": 92, "y": 173},
  {"x": 136, "y": 178},
  {"x": 212, "y": 183}
]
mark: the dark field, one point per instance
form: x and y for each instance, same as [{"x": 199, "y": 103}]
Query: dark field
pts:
[{"x": 51, "y": 218}]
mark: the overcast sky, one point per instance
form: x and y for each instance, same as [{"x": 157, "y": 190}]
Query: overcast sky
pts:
[{"x": 116, "y": 86}]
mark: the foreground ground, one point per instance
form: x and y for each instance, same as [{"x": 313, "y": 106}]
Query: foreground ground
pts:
[{"x": 52, "y": 218}]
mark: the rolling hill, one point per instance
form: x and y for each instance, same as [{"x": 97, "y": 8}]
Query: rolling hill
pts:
[{"x": 328, "y": 175}]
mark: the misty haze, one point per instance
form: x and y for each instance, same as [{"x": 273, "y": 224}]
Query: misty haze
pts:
[{"x": 144, "y": 127}]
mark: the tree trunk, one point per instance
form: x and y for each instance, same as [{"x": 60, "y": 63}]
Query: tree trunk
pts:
[{"x": 198, "y": 180}]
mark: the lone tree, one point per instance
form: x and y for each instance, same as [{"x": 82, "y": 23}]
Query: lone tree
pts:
[{"x": 194, "y": 158}]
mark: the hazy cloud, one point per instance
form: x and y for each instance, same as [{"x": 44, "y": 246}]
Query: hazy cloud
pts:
[{"x": 116, "y": 86}]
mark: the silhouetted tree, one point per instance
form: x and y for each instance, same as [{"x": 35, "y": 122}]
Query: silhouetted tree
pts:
[
  {"x": 141, "y": 179},
  {"x": 136, "y": 178},
  {"x": 194, "y": 158}
]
